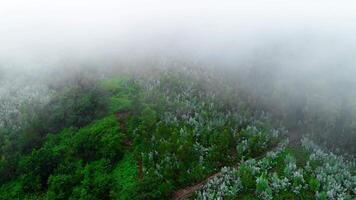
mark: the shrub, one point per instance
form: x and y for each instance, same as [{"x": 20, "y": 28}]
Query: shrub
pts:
[
  {"x": 263, "y": 190},
  {"x": 101, "y": 139},
  {"x": 96, "y": 183},
  {"x": 247, "y": 177}
]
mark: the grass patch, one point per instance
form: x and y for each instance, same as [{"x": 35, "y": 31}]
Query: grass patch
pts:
[
  {"x": 115, "y": 84},
  {"x": 119, "y": 91}
]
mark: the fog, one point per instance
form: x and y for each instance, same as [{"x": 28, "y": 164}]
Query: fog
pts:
[
  {"x": 298, "y": 34},
  {"x": 296, "y": 47}
]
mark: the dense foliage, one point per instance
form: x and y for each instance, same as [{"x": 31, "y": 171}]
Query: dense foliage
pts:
[
  {"x": 278, "y": 175},
  {"x": 149, "y": 136}
]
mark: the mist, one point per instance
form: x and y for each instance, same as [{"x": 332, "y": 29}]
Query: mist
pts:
[
  {"x": 47, "y": 33},
  {"x": 295, "y": 47},
  {"x": 153, "y": 99}
]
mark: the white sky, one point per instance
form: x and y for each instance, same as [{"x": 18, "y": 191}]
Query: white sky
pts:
[{"x": 48, "y": 29}]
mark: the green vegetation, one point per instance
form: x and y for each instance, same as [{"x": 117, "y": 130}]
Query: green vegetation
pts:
[
  {"x": 119, "y": 93},
  {"x": 124, "y": 138},
  {"x": 125, "y": 177},
  {"x": 71, "y": 163}
]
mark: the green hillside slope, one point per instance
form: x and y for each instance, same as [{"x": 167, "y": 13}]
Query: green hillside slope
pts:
[{"x": 171, "y": 135}]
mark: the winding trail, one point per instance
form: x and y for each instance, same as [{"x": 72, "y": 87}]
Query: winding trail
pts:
[
  {"x": 295, "y": 137},
  {"x": 121, "y": 116},
  {"x": 187, "y": 192},
  {"x": 294, "y": 141}
]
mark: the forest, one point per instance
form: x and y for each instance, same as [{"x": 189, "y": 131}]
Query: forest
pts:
[
  {"x": 170, "y": 133},
  {"x": 177, "y": 100}
]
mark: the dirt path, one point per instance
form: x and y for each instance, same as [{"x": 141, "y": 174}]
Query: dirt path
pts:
[
  {"x": 187, "y": 192},
  {"x": 121, "y": 117},
  {"x": 295, "y": 137}
]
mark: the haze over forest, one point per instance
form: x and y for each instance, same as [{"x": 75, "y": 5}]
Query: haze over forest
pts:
[
  {"x": 68, "y": 67},
  {"x": 294, "y": 40}
]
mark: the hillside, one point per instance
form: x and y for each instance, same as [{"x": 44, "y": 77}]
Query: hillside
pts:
[{"x": 175, "y": 134}]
